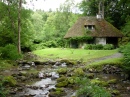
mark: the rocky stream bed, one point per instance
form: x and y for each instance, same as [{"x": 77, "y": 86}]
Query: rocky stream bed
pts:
[{"x": 57, "y": 78}]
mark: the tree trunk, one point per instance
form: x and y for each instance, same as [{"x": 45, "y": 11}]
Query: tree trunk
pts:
[{"x": 19, "y": 26}]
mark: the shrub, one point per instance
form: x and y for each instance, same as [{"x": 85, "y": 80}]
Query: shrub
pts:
[
  {"x": 43, "y": 45},
  {"x": 10, "y": 52},
  {"x": 126, "y": 52},
  {"x": 99, "y": 46},
  {"x": 3, "y": 90},
  {"x": 37, "y": 46},
  {"x": 93, "y": 47},
  {"x": 87, "y": 89},
  {"x": 108, "y": 47},
  {"x": 88, "y": 47},
  {"x": 50, "y": 44},
  {"x": 9, "y": 80}
]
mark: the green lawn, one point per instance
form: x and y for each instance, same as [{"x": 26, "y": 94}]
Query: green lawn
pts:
[{"x": 73, "y": 54}]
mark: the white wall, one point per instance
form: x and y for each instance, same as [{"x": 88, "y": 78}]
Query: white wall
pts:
[{"x": 101, "y": 41}]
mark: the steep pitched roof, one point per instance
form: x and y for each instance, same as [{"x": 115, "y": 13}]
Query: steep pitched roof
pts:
[{"x": 102, "y": 28}]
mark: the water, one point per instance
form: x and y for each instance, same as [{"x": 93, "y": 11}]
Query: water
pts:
[
  {"x": 43, "y": 86},
  {"x": 40, "y": 88}
]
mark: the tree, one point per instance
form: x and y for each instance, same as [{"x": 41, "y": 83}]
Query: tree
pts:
[
  {"x": 19, "y": 26},
  {"x": 126, "y": 28},
  {"x": 114, "y": 10},
  {"x": 13, "y": 20}
]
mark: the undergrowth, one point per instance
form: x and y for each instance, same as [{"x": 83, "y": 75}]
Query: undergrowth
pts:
[{"x": 87, "y": 89}]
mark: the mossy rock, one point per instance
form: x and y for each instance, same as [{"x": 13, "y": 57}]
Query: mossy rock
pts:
[
  {"x": 23, "y": 73},
  {"x": 63, "y": 78},
  {"x": 9, "y": 80},
  {"x": 71, "y": 80},
  {"x": 57, "y": 93},
  {"x": 62, "y": 70},
  {"x": 90, "y": 75},
  {"x": 115, "y": 92},
  {"x": 62, "y": 81},
  {"x": 59, "y": 89},
  {"x": 62, "y": 84},
  {"x": 68, "y": 62},
  {"x": 112, "y": 81},
  {"x": 99, "y": 82},
  {"x": 79, "y": 72}
]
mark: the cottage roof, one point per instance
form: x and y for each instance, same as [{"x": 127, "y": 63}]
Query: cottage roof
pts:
[{"x": 102, "y": 28}]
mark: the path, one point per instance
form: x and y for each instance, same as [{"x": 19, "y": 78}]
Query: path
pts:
[{"x": 116, "y": 55}]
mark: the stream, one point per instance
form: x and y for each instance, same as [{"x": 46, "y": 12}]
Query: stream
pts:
[{"x": 43, "y": 86}]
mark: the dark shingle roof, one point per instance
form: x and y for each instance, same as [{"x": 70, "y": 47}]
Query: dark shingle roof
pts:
[{"x": 102, "y": 28}]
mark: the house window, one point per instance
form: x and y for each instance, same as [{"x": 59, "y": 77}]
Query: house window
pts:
[{"x": 89, "y": 27}]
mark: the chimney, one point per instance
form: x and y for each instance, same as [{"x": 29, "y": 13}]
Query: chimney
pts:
[{"x": 100, "y": 14}]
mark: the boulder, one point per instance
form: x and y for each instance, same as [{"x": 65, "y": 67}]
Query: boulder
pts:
[
  {"x": 62, "y": 70},
  {"x": 79, "y": 72}
]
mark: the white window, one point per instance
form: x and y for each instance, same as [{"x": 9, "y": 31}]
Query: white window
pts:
[{"x": 89, "y": 27}]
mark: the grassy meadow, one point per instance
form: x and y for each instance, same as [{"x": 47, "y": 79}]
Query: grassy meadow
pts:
[{"x": 73, "y": 54}]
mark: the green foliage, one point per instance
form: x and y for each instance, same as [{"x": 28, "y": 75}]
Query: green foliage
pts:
[
  {"x": 3, "y": 90},
  {"x": 79, "y": 72},
  {"x": 126, "y": 52},
  {"x": 99, "y": 47},
  {"x": 88, "y": 89},
  {"x": 6, "y": 64},
  {"x": 43, "y": 45},
  {"x": 50, "y": 27},
  {"x": 108, "y": 47},
  {"x": 37, "y": 47},
  {"x": 126, "y": 28},
  {"x": 9, "y": 80},
  {"x": 62, "y": 70},
  {"x": 46, "y": 28},
  {"x": 114, "y": 10},
  {"x": 62, "y": 81},
  {"x": 112, "y": 81},
  {"x": 10, "y": 52},
  {"x": 88, "y": 47},
  {"x": 99, "y": 82}
]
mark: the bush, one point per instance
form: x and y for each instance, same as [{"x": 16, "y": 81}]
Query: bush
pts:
[
  {"x": 37, "y": 47},
  {"x": 3, "y": 89},
  {"x": 43, "y": 45},
  {"x": 108, "y": 47},
  {"x": 50, "y": 44},
  {"x": 9, "y": 80},
  {"x": 87, "y": 89},
  {"x": 88, "y": 47},
  {"x": 126, "y": 53},
  {"x": 10, "y": 52},
  {"x": 99, "y": 47}
]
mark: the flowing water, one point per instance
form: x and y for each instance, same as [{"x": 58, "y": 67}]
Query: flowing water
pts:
[{"x": 41, "y": 88}]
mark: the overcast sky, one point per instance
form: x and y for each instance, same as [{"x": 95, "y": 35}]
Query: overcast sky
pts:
[{"x": 47, "y": 4}]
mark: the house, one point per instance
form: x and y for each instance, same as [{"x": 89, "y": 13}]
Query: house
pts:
[{"x": 101, "y": 31}]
